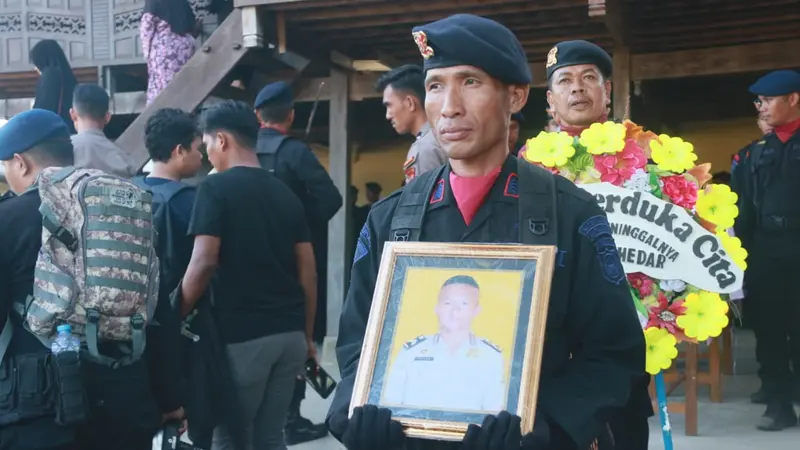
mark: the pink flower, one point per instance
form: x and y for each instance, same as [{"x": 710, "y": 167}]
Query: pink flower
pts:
[
  {"x": 642, "y": 283},
  {"x": 680, "y": 190},
  {"x": 619, "y": 167}
]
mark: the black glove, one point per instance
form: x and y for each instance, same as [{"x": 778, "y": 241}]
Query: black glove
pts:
[
  {"x": 371, "y": 428},
  {"x": 539, "y": 439},
  {"x": 501, "y": 432}
]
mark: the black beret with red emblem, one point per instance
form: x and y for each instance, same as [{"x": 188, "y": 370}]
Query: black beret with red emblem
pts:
[
  {"x": 574, "y": 53},
  {"x": 469, "y": 40}
]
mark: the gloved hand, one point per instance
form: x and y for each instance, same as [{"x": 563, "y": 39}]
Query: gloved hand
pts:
[
  {"x": 371, "y": 428},
  {"x": 501, "y": 432},
  {"x": 539, "y": 439}
]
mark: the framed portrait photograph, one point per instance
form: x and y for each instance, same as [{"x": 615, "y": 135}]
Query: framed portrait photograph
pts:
[{"x": 455, "y": 333}]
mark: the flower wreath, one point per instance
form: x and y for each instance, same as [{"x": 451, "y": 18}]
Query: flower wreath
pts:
[{"x": 625, "y": 155}]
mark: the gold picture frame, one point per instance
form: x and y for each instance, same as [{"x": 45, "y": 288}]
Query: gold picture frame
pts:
[{"x": 400, "y": 290}]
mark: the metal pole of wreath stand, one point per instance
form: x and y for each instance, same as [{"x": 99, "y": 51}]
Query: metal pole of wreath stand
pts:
[{"x": 663, "y": 414}]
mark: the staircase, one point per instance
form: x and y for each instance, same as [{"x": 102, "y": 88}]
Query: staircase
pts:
[{"x": 192, "y": 85}]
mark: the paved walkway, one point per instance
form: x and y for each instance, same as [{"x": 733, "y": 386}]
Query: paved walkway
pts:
[{"x": 722, "y": 426}]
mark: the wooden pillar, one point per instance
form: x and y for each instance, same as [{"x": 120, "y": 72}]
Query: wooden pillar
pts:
[
  {"x": 340, "y": 243},
  {"x": 621, "y": 83}
]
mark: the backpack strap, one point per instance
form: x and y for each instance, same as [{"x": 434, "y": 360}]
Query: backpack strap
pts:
[
  {"x": 267, "y": 151},
  {"x": 538, "y": 212},
  {"x": 53, "y": 225},
  {"x": 137, "y": 338},
  {"x": 411, "y": 208}
]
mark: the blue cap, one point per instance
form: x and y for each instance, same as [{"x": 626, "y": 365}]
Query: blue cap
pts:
[
  {"x": 574, "y": 53},
  {"x": 66, "y": 328},
  {"x": 518, "y": 117},
  {"x": 774, "y": 84},
  {"x": 278, "y": 92},
  {"x": 27, "y": 129},
  {"x": 469, "y": 40}
]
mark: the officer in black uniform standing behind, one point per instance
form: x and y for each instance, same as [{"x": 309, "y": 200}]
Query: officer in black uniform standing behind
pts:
[
  {"x": 296, "y": 166},
  {"x": 29, "y": 142},
  {"x": 768, "y": 182},
  {"x": 477, "y": 76}
]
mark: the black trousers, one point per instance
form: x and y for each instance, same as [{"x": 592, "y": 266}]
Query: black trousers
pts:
[
  {"x": 775, "y": 301},
  {"x": 37, "y": 434}
]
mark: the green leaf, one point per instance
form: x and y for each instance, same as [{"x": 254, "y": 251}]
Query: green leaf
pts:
[
  {"x": 655, "y": 189},
  {"x": 579, "y": 163}
]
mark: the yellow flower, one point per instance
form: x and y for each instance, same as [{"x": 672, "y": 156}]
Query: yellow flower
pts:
[
  {"x": 733, "y": 247},
  {"x": 661, "y": 349},
  {"x": 604, "y": 138},
  {"x": 672, "y": 154},
  {"x": 705, "y": 317},
  {"x": 550, "y": 149},
  {"x": 717, "y": 204}
]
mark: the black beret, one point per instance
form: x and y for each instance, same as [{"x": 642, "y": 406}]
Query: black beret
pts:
[
  {"x": 29, "y": 128},
  {"x": 573, "y": 53},
  {"x": 278, "y": 92},
  {"x": 469, "y": 40},
  {"x": 518, "y": 117},
  {"x": 774, "y": 84}
]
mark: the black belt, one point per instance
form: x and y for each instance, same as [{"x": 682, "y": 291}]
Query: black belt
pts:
[{"x": 779, "y": 223}]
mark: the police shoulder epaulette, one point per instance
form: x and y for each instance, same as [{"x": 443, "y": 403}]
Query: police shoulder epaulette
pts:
[
  {"x": 492, "y": 345},
  {"x": 414, "y": 342}
]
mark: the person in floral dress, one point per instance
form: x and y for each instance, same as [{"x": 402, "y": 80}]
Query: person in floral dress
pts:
[{"x": 167, "y": 30}]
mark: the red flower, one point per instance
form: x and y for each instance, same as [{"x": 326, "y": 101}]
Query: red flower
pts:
[
  {"x": 619, "y": 167},
  {"x": 665, "y": 316},
  {"x": 642, "y": 283},
  {"x": 680, "y": 190}
]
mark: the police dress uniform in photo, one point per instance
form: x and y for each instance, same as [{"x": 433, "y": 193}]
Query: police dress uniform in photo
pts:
[
  {"x": 594, "y": 345},
  {"x": 26, "y": 418},
  {"x": 427, "y": 375},
  {"x": 766, "y": 178}
]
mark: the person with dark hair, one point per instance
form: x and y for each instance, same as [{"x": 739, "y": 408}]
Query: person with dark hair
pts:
[
  {"x": 517, "y": 119},
  {"x": 56, "y": 80},
  {"x": 293, "y": 162},
  {"x": 445, "y": 368},
  {"x": 93, "y": 150},
  {"x": 373, "y": 192},
  {"x": 167, "y": 29},
  {"x": 403, "y": 90},
  {"x": 30, "y": 142},
  {"x": 251, "y": 230}
]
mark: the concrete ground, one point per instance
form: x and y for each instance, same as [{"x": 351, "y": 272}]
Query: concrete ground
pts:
[{"x": 723, "y": 426}]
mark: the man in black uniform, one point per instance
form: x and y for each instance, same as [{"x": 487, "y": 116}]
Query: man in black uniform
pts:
[
  {"x": 29, "y": 142},
  {"x": 477, "y": 75},
  {"x": 769, "y": 227},
  {"x": 296, "y": 166}
]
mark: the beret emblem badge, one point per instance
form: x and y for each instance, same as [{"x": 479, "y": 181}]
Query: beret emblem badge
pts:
[
  {"x": 421, "y": 39},
  {"x": 551, "y": 57}
]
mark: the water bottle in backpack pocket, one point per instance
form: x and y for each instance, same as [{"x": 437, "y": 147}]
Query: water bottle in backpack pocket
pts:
[{"x": 71, "y": 402}]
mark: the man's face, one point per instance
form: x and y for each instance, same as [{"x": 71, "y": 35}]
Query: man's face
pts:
[
  {"x": 578, "y": 94},
  {"x": 191, "y": 159},
  {"x": 777, "y": 111},
  {"x": 457, "y": 307},
  {"x": 399, "y": 110},
  {"x": 764, "y": 126},
  {"x": 217, "y": 152},
  {"x": 513, "y": 134},
  {"x": 19, "y": 173},
  {"x": 470, "y": 111}
]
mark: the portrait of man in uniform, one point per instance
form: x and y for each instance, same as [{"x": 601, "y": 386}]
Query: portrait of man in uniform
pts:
[
  {"x": 457, "y": 333},
  {"x": 441, "y": 370}
]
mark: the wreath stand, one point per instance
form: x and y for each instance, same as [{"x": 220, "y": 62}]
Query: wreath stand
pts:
[{"x": 718, "y": 359}]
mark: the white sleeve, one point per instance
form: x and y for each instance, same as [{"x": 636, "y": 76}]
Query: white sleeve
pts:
[
  {"x": 494, "y": 394},
  {"x": 395, "y": 387}
]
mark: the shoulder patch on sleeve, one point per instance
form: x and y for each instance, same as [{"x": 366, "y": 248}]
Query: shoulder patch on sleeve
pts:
[
  {"x": 492, "y": 345},
  {"x": 414, "y": 342},
  {"x": 597, "y": 229},
  {"x": 362, "y": 244}
]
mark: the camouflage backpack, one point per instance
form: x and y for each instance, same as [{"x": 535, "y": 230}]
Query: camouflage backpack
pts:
[{"x": 97, "y": 268}]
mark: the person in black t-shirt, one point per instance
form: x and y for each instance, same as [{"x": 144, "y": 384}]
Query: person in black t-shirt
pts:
[{"x": 251, "y": 230}]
